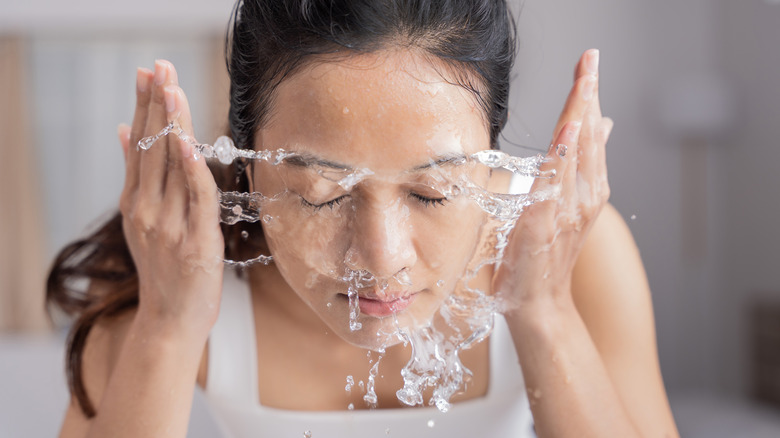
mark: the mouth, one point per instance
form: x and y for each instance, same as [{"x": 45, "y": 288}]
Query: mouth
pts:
[{"x": 384, "y": 307}]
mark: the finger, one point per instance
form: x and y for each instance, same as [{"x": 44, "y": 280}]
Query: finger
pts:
[
  {"x": 605, "y": 129},
  {"x": 587, "y": 72},
  {"x": 590, "y": 148},
  {"x": 143, "y": 96},
  {"x": 176, "y": 197},
  {"x": 203, "y": 198},
  {"x": 567, "y": 141},
  {"x": 577, "y": 102},
  {"x": 154, "y": 160},
  {"x": 123, "y": 132},
  {"x": 588, "y": 64}
]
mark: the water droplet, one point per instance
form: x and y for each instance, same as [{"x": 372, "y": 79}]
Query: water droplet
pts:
[
  {"x": 329, "y": 305},
  {"x": 307, "y": 434},
  {"x": 354, "y": 309},
  {"x": 350, "y": 384},
  {"x": 267, "y": 219},
  {"x": 223, "y": 148},
  {"x": 440, "y": 283},
  {"x": 147, "y": 142},
  {"x": 633, "y": 217},
  {"x": 431, "y": 423},
  {"x": 351, "y": 407},
  {"x": 245, "y": 234},
  {"x": 387, "y": 431},
  {"x": 345, "y": 110}
]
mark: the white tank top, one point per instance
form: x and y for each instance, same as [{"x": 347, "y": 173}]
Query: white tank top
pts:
[{"x": 232, "y": 389}]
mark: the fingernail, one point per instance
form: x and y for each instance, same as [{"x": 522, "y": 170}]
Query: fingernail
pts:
[
  {"x": 588, "y": 88},
  {"x": 160, "y": 72},
  {"x": 170, "y": 99},
  {"x": 592, "y": 65},
  {"x": 141, "y": 81}
]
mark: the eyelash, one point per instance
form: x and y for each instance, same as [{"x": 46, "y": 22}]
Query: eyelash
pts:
[
  {"x": 427, "y": 202},
  {"x": 331, "y": 204}
]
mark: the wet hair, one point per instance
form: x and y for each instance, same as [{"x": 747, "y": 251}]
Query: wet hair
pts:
[{"x": 267, "y": 42}]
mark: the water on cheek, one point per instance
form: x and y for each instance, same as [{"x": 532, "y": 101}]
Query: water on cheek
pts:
[{"x": 465, "y": 317}]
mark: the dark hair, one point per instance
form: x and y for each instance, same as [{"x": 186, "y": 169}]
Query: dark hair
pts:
[{"x": 267, "y": 41}]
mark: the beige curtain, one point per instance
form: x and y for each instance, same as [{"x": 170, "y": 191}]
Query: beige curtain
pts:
[{"x": 22, "y": 256}]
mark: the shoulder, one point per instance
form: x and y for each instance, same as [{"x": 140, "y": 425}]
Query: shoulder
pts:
[
  {"x": 609, "y": 272},
  {"x": 612, "y": 295},
  {"x": 99, "y": 357},
  {"x": 609, "y": 284}
]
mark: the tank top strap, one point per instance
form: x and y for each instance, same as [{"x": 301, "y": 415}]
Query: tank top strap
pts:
[{"x": 232, "y": 349}]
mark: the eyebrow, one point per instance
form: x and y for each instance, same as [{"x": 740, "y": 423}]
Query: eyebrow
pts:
[{"x": 310, "y": 160}]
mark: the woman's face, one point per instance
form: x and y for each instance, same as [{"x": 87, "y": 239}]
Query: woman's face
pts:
[{"x": 377, "y": 140}]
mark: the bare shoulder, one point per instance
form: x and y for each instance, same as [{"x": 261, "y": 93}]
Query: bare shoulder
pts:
[
  {"x": 612, "y": 295},
  {"x": 610, "y": 286},
  {"x": 99, "y": 358},
  {"x": 100, "y": 354},
  {"x": 609, "y": 281}
]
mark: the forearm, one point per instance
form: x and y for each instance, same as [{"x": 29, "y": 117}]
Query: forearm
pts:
[
  {"x": 150, "y": 391},
  {"x": 570, "y": 392}
]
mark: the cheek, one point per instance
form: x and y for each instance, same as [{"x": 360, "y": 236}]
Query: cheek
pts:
[
  {"x": 305, "y": 245},
  {"x": 446, "y": 242}
]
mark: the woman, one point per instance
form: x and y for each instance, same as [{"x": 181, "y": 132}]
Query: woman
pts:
[{"x": 391, "y": 87}]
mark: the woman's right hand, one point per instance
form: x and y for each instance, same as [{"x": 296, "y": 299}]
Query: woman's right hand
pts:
[{"x": 170, "y": 212}]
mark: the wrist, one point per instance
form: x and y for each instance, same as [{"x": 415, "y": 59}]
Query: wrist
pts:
[
  {"x": 169, "y": 333},
  {"x": 543, "y": 316}
]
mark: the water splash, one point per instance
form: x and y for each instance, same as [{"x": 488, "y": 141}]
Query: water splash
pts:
[
  {"x": 370, "y": 397},
  {"x": 526, "y": 166},
  {"x": 466, "y": 317}
]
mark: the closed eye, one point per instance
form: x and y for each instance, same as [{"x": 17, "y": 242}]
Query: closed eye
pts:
[
  {"x": 331, "y": 204},
  {"x": 428, "y": 202}
]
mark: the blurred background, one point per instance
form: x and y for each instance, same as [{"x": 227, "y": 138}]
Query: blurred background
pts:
[{"x": 691, "y": 84}]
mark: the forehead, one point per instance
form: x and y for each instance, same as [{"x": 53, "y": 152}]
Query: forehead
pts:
[{"x": 387, "y": 110}]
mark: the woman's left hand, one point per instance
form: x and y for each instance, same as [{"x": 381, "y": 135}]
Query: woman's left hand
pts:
[{"x": 547, "y": 238}]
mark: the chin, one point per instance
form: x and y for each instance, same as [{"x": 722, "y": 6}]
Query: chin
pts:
[{"x": 380, "y": 333}]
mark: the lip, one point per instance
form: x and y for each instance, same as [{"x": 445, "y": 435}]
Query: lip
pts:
[{"x": 381, "y": 308}]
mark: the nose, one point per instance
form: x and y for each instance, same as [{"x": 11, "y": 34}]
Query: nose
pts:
[{"x": 382, "y": 239}]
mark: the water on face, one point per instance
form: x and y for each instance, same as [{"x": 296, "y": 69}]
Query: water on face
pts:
[{"x": 463, "y": 320}]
